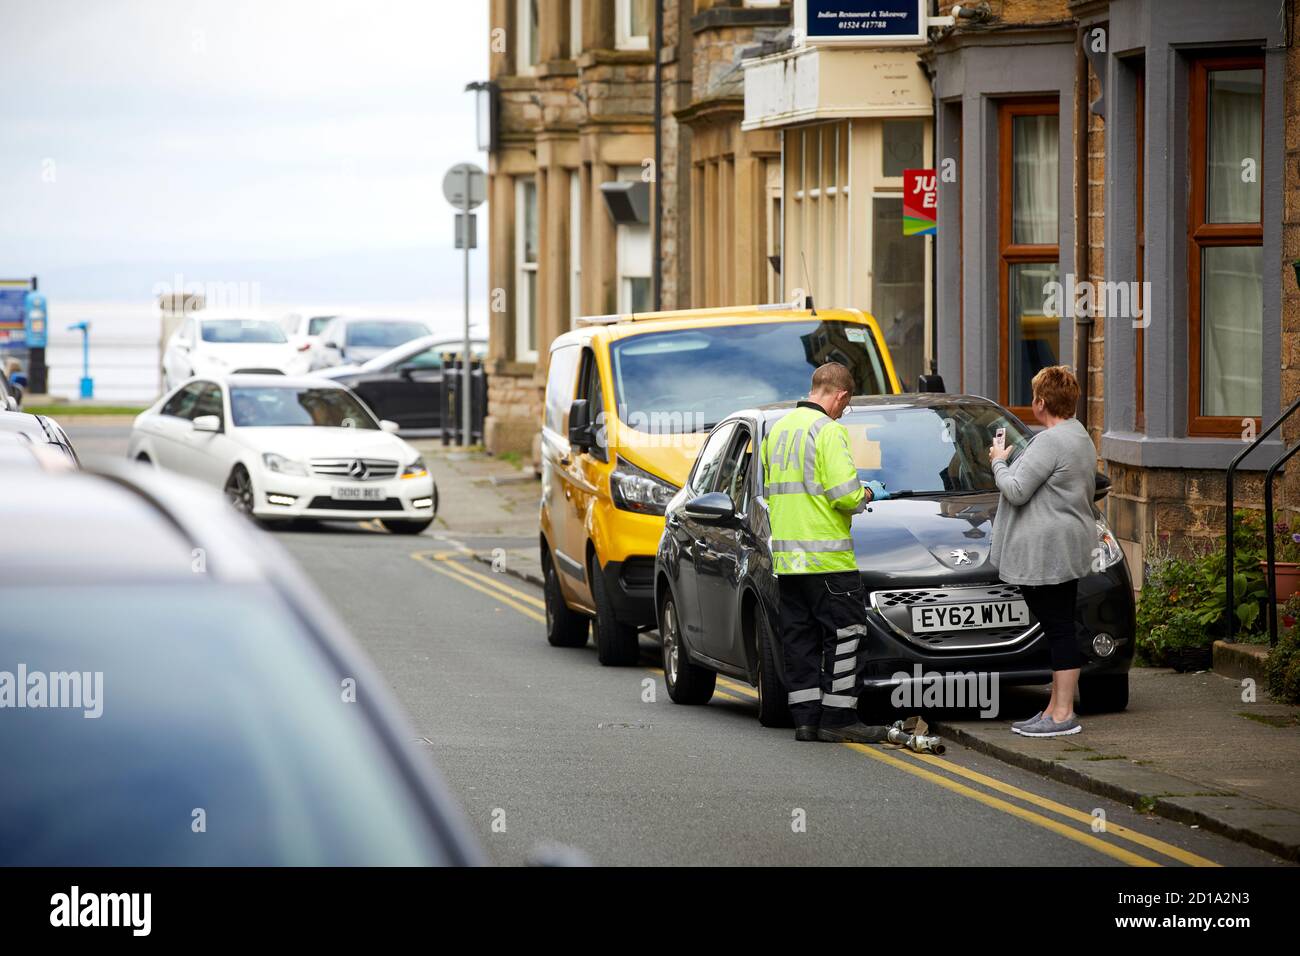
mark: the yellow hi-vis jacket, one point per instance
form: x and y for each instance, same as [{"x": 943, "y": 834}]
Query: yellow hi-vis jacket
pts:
[{"x": 812, "y": 491}]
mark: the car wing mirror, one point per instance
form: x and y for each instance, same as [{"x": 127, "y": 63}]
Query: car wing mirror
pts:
[
  {"x": 714, "y": 508},
  {"x": 207, "y": 423},
  {"x": 1103, "y": 487},
  {"x": 930, "y": 383},
  {"x": 389, "y": 426},
  {"x": 581, "y": 436}
]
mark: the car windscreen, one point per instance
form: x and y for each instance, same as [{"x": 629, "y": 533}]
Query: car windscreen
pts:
[
  {"x": 318, "y": 322},
  {"x": 383, "y": 335},
  {"x": 242, "y": 332},
  {"x": 684, "y": 381},
  {"x": 195, "y": 724},
  {"x": 278, "y": 406},
  {"x": 929, "y": 449}
]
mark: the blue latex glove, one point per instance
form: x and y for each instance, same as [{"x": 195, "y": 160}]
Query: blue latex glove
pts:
[{"x": 878, "y": 492}]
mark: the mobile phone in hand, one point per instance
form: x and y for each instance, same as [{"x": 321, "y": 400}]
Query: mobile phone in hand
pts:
[{"x": 1000, "y": 438}]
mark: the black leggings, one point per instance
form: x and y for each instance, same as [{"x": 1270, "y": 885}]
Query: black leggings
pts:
[{"x": 1054, "y": 605}]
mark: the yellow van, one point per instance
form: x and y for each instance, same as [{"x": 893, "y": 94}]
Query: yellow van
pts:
[{"x": 629, "y": 400}]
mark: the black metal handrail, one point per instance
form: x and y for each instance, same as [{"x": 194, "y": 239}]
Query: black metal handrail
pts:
[{"x": 1230, "y": 566}]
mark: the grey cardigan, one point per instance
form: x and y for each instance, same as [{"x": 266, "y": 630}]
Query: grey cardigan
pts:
[{"x": 1045, "y": 532}]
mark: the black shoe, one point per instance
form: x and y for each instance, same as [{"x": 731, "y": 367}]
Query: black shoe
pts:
[
  {"x": 806, "y": 732},
  {"x": 857, "y": 733}
]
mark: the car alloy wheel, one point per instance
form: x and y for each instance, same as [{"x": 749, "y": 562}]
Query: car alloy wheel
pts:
[
  {"x": 671, "y": 647},
  {"x": 239, "y": 489}
]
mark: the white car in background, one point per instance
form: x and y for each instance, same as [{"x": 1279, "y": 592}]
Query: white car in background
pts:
[
  {"x": 212, "y": 344},
  {"x": 303, "y": 330},
  {"x": 287, "y": 447},
  {"x": 351, "y": 340}
]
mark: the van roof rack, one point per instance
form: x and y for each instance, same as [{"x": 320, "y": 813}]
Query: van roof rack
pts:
[{"x": 615, "y": 318}]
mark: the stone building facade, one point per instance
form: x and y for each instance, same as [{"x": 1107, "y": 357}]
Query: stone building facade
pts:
[{"x": 1148, "y": 151}]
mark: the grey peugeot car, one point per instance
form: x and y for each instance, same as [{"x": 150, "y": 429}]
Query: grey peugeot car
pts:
[{"x": 936, "y": 605}]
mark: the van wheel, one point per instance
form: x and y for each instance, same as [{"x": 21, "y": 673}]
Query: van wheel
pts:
[
  {"x": 564, "y": 627},
  {"x": 1106, "y": 694},
  {"x": 617, "y": 644},
  {"x": 687, "y": 683},
  {"x": 773, "y": 698}
]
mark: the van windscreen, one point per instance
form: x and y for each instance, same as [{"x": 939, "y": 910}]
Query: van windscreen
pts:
[{"x": 687, "y": 381}]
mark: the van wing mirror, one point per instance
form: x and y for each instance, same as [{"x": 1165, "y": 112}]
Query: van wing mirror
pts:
[
  {"x": 930, "y": 383},
  {"x": 580, "y": 433}
]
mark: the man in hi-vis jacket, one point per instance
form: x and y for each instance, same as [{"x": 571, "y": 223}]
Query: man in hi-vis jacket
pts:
[{"x": 813, "y": 492}]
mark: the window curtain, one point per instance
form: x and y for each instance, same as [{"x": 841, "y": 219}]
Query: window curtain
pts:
[
  {"x": 1236, "y": 117},
  {"x": 1035, "y": 179},
  {"x": 1232, "y": 313}
]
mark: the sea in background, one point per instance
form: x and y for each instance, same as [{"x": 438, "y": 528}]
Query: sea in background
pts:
[{"x": 125, "y": 348}]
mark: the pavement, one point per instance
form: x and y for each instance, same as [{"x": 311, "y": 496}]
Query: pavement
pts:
[
  {"x": 1205, "y": 749},
  {"x": 545, "y": 747}
]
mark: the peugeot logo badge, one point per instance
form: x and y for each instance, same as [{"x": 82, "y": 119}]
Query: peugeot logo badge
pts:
[
  {"x": 358, "y": 470},
  {"x": 960, "y": 556}
]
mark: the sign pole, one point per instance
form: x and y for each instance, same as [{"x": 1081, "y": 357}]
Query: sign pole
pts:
[{"x": 465, "y": 357}]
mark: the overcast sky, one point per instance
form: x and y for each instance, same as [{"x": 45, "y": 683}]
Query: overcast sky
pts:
[{"x": 300, "y": 144}]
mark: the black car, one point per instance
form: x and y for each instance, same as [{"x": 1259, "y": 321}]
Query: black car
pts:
[
  {"x": 404, "y": 385},
  {"x": 925, "y": 547},
  {"x": 200, "y": 705}
]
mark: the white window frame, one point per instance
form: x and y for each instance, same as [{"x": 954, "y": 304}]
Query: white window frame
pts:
[
  {"x": 525, "y": 346},
  {"x": 524, "y": 32},
  {"x": 623, "y": 36},
  {"x": 632, "y": 242}
]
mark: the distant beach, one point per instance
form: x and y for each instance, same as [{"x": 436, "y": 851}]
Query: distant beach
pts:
[{"x": 125, "y": 347}]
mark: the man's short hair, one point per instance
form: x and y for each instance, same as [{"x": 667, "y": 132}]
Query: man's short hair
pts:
[
  {"x": 833, "y": 377},
  {"x": 1058, "y": 388}
]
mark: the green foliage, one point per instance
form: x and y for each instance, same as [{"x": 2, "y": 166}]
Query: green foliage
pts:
[
  {"x": 1282, "y": 667},
  {"x": 1183, "y": 605}
]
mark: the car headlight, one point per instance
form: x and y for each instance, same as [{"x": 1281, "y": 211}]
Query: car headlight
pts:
[
  {"x": 415, "y": 469},
  {"x": 1108, "y": 550},
  {"x": 282, "y": 465},
  {"x": 634, "y": 489}
]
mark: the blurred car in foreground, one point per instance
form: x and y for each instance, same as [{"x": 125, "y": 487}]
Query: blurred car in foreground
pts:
[
  {"x": 350, "y": 341},
  {"x": 936, "y": 604},
  {"x": 42, "y": 432},
  {"x": 201, "y": 706},
  {"x": 17, "y": 450},
  {"x": 404, "y": 384},
  {"x": 210, "y": 344},
  {"x": 285, "y": 448}
]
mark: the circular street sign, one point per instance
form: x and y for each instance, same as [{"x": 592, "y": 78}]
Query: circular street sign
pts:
[{"x": 453, "y": 185}]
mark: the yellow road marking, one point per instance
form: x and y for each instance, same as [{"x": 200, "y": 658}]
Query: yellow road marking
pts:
[
  {"x": 739, "y": 693},
  {"x": 445, "y": 557},
  {"x": 470, "y": 582},
  {"x": 1062, "y": 829},
  {"x": 1113, "y": 829}
]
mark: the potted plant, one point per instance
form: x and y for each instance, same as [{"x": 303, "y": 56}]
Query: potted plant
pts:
[
  {"x": 1286, "y": 564},
  {"x": 1182, "y": 642}
]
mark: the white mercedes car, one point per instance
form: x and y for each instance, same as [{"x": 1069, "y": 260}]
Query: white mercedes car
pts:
[{"x": 286, "y": 447}]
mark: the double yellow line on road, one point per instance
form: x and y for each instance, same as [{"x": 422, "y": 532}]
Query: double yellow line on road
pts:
[
  {"x": 447, "y": 563},
  {"x": 925, "y": 766}
]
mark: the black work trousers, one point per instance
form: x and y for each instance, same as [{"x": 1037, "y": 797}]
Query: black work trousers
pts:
[{"x": 823, "y": 637}]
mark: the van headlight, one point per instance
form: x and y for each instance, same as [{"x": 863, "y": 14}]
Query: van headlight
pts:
[
  {"x": 1108, "y": 550},
  {"x": 282, "y": 465},
  {"x": 634, "y": 489}
]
